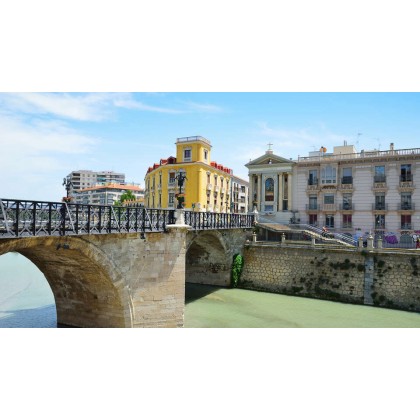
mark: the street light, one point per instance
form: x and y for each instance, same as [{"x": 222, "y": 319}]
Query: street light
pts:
[{"x": 68, "y": 185}]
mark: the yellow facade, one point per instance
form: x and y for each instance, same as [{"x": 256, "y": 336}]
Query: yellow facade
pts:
[{"x": 207, "y": 184}]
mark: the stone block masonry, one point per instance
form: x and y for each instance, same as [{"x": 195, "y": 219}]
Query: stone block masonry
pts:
[{"x": 383, "y": 278}]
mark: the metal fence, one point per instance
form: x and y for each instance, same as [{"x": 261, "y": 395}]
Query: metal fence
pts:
[{"x": 23, "y": 218}]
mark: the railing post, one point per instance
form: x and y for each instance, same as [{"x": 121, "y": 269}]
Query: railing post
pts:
[
  {"x": 34, "y": 218},
  {"x": 88, "y": 221},
  {"x": 49, "y": 218},
  {"x": 100, "y": 219}
]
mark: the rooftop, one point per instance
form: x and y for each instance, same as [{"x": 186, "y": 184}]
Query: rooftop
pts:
[
  {"x": 192, "y": 139},
  {"x": 363, "y": 154},
  {"x": 134, "y": 188}
]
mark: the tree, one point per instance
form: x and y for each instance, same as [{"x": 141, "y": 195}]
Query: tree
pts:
[{"x": 127, "y": 196}]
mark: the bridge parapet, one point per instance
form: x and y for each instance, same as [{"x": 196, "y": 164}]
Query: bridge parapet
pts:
[{"x": 23, "y": 218}]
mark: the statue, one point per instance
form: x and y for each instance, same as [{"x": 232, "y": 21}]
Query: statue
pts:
[{"x": 181, "y": 177}]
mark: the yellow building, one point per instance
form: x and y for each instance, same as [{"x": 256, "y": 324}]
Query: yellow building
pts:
[{"x": 207, "y": 183}]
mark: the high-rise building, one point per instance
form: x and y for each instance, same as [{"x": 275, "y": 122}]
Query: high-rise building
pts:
[{"x": 85, "y": 179}]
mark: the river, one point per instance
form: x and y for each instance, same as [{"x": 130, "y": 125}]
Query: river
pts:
[{"x": 26, "y": 301}]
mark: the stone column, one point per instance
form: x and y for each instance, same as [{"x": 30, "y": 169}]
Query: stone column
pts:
[
  {"x": 259, "y": 193},
  {"x": 289, "y": 190},
  {"x": 280, "y": 198}
]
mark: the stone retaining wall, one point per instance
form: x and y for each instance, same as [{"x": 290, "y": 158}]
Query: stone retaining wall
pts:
[{"x": 384, "y": 278}]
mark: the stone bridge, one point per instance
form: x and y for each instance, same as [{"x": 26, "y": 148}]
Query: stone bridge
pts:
[{"x": 129, "y": 279}]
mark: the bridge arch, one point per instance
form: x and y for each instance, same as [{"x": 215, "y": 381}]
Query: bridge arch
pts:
[
  {"x": 88, "y": 289},
  {"x": 208, "y": 259}
]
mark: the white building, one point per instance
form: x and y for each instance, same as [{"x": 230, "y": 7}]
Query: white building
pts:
[
  {"x": 239, "y": 194},
  {"x": 84, "y": 179},
  {"x": 108, "y": 194},
  {"x": 271, "y": 187},
  {"x": 371, "y": 191}
]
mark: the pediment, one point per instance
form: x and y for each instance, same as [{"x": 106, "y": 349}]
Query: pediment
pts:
[{"x": 267, "y": 158}]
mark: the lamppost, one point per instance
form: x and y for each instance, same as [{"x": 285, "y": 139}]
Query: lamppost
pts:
[
  {"x": 181, "y": 177},
  {"x": 68, "y": 185}
]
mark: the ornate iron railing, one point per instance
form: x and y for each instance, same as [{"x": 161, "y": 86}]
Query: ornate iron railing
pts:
[
  {"x": 23, "y": 218},
  {"x": 205, "y": 221}
]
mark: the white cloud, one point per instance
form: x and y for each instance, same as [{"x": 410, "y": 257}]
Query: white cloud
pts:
[
  {"x": 291, "y": 143},
  {"x": 35, "y": 156},
  {"x": 130, "y": 103},
  {"x": 84, "y": 107},
  {"x": 194, "y": 106}
]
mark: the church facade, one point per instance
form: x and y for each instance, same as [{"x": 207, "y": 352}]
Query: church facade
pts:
[{"x": 271, "y": 187}]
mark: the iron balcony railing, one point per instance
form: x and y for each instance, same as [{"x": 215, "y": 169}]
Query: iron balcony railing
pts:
[
  {"x": 406, "y": 178},
  {"x": 315, "y": 207},
  {"x": 406, "y": 206},
  {"x": 345, "y": 180},
  {"x": 347, "y": 206},
  {"x": 379, "y": 178},
  {"x": 22, "y": 218},
  {"x": 380, "y": 206}
]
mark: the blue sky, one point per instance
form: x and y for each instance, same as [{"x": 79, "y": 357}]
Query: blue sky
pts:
[{"x": 44, "y": 136}]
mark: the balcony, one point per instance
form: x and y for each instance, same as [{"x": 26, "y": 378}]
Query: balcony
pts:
[
  {"x": 406, "y": 182},
  {"x": 348, "y": 225},
  {"x": 406, "y": 207},
  {"x": 379, "y": 182},
  {"x": 406, "y": 226},
  {"x": 346, "y": 183},
  {"x": 223, "y": 190},
  {"x": 347, "y": 207},
  {"x": 329, "y": 207},
  {"x": 379, "y": 179},
  {"x": 217, "y": 188},
  {"x": 313, "y": 207},
  {"x": 380, "y": 207}
]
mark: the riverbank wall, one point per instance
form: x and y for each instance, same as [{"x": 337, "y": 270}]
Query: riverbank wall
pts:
[{"x": 385, "y": 278}]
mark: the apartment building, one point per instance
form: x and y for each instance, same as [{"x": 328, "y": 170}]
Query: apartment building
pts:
[
  {"x": 239, "y": 194},
  {"x": 85, "y": 179},
  {"x": 371, "y": 191},
  {"x": 347, "y": 191},
  {"x": 206, "y": 184},
  {"x": 108, "y": 194}
]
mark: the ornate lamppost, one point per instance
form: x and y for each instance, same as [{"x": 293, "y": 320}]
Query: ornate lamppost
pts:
[
  {"x": 68, "y": 185},
  {"x": 181, "y": 177}
]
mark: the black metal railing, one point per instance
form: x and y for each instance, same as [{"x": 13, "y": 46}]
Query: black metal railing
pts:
[
  {"x": 22, "y": 218},
  {"x": 347, "y": 180},
  {"x": 205, "y": 221}
]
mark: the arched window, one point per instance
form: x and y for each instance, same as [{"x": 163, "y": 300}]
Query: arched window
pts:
[{"x": 269, "y": 189}]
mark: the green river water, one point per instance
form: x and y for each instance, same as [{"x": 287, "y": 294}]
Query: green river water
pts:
[
  {"x": 212, "y": 307},
  {"x": 26, "y": 301}
]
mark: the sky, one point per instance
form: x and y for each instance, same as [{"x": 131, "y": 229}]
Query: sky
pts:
[{"x": 45, "y": 136}]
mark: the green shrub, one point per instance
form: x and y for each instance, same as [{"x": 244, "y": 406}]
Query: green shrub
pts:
[{"x": 237, "y": 266}]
